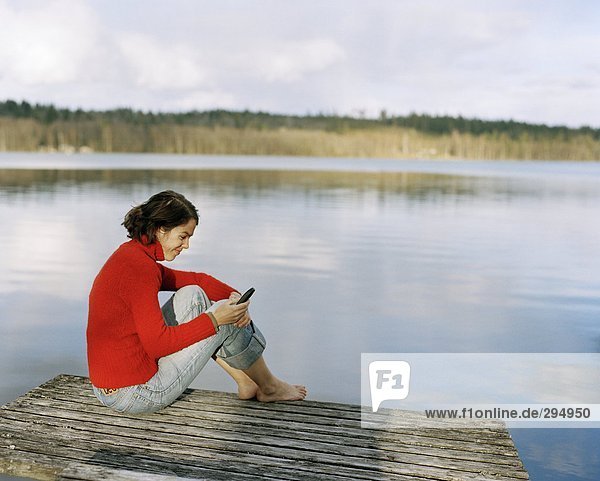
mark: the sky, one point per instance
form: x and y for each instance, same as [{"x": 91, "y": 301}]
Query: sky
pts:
[{"x": 527, "y": 60}]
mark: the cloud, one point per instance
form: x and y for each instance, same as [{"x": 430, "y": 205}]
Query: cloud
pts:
[
  {"x": 291, "y": 62},
  {"x": 156, "y": 65},
  {"x": 529, "y": 61},
  {"x": 47, "y": 44}
]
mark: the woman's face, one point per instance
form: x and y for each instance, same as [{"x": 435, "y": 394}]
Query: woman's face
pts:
[{"x": 175, "y": 240}]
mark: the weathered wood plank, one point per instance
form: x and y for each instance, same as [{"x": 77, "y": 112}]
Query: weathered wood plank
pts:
[
  {"x": 218, "y": 428},
  {"x": 86, "y": 472},
  {"x": 16, "y": 463},
  {"x": 48, "y": 468},
  {"x": 30, "y": 451},
  {"x": 323, "y": 411},
  {"x": 186, "y": 461},
  {"x": 499, "y": 437},
  {"x": 327, "y": 424},
  {"x": 286, "y": 447},
  {"x": 215, "y": 453},
  {"x": 178, "y": 403},
  {"x": 210, "y": 435},
  {"x": 220, "y": 425}
]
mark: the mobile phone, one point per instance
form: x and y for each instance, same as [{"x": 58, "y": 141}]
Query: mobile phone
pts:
[{"x": 246, "y": 295}]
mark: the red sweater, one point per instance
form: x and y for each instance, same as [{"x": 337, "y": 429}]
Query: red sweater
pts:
[{"x": 126, "y": 332}]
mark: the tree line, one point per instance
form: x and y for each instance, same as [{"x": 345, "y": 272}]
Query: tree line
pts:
[{"x": 25, "y": 126}]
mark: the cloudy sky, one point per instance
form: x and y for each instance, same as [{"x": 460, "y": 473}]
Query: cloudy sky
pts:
[{"x": 528, "y": 60}]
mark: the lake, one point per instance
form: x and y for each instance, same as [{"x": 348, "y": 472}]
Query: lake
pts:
[{"x": 347, "y": 256}]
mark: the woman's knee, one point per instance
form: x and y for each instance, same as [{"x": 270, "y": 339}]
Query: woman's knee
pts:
[
  {"x": 189, "y": 302},
  {"x": 191, "y": 292},
  {"x": 242, "y": 347}
]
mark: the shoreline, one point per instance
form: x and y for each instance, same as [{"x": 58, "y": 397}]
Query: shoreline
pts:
[{"x": 26, "y": 135}]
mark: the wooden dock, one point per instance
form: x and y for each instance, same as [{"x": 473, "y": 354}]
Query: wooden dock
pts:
[{"x": 60, "y": 431}]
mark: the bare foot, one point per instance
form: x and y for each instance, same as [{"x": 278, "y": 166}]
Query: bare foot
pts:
[
  {"x": 247, "y": 389},
  {"x": 281, "y": 391}
]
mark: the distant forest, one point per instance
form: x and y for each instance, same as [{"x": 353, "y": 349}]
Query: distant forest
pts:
[{"x": 29, "y": 127}]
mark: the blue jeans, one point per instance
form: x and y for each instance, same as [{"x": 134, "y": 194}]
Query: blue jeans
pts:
[{"x": 239, "y": 347}]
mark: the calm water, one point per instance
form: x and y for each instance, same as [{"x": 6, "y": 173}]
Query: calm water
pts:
[{"x": 362, "y": 256}]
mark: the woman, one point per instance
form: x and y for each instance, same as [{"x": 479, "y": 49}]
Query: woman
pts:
[{"x": 141, "y": 357}]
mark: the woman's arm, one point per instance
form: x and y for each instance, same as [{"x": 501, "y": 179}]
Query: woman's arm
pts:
[
  {"x": 157, "y": 338},
  {"x": 215, "y": 289}
]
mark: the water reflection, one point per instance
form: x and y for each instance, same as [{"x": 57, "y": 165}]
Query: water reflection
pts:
[
  {"x": 320, "y": 186},
  {"x": 343, "y": 263}
]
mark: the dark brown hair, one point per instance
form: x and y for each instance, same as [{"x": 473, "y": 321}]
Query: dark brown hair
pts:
[{"x": 167, "y": 209}]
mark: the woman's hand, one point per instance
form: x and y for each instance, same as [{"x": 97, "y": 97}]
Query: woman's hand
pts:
[
  {"x": 245, "y": 320},
  {"x": 234, "y": 297},
  {"x": 232, "y": 313}
]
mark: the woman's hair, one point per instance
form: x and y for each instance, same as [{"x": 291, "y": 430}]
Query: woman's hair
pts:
[{"x": 167, "y": 209}]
